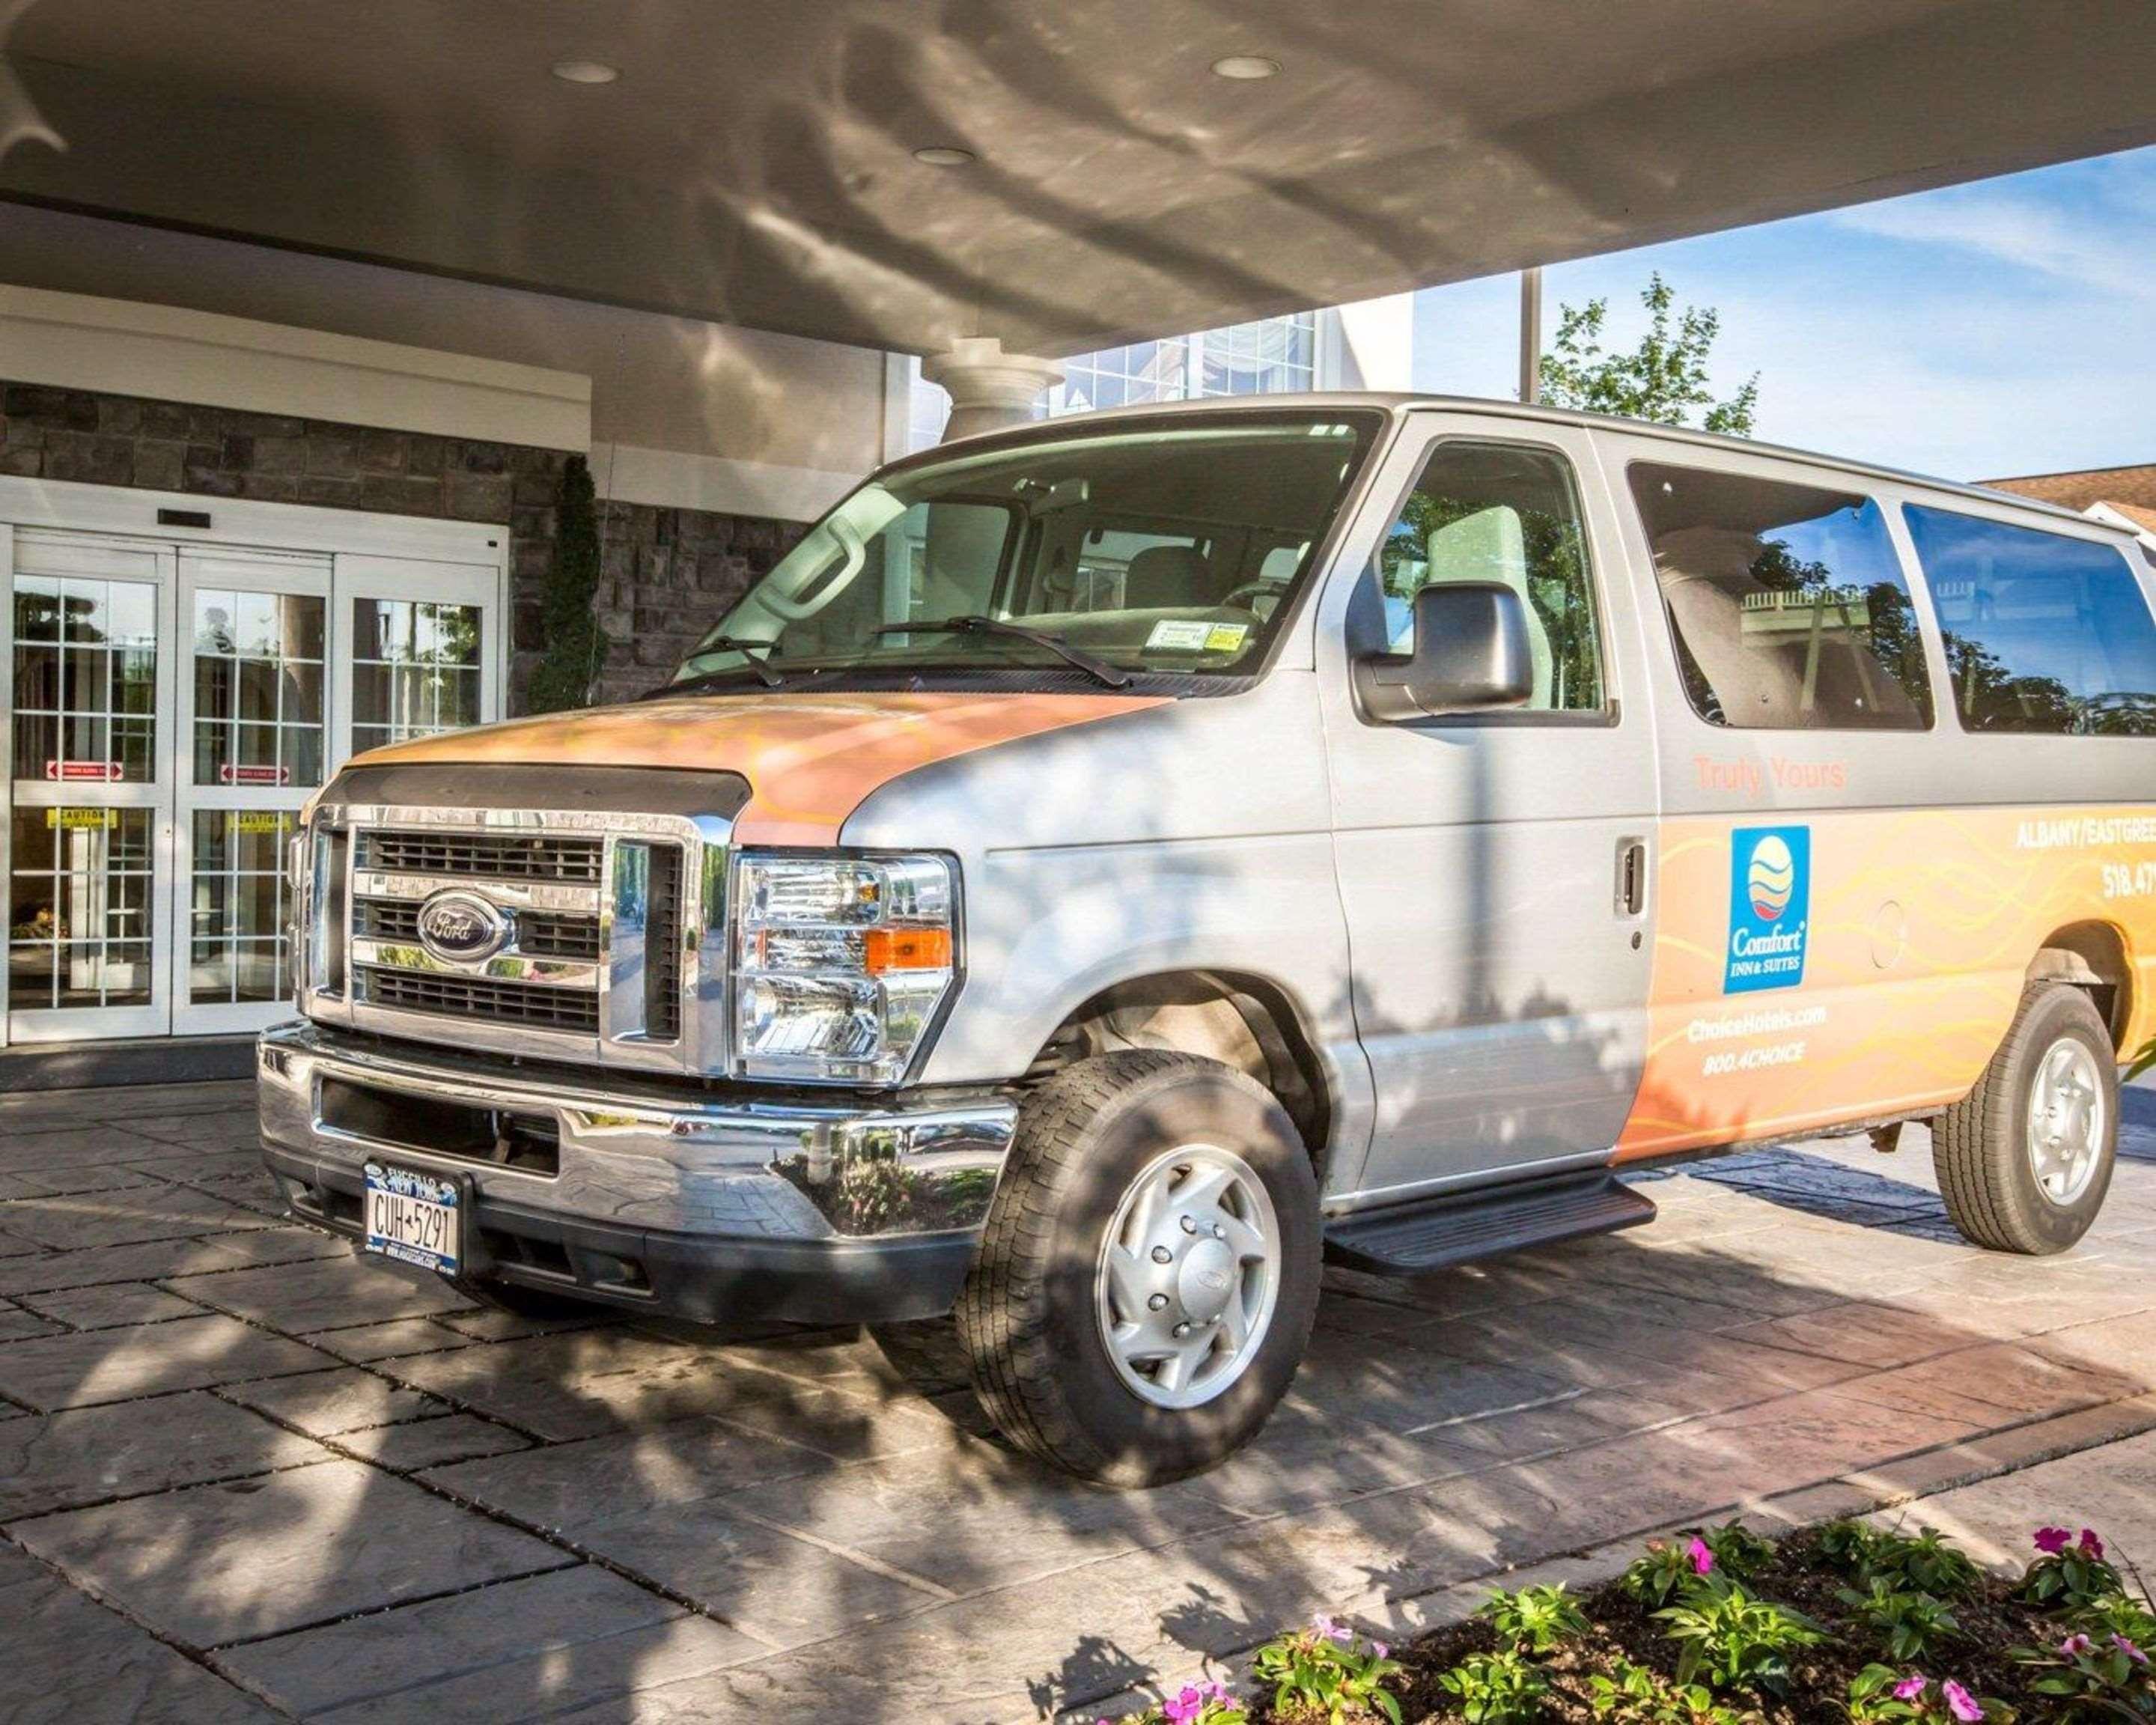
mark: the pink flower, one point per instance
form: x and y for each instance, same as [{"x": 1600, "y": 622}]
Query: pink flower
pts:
[
  {"x": 2076, "y": 1645},
  {"x": 1381, "y": 1649},
  {"x": 2051, "y": 1541},
  {"x": 1702, "y": 1559},
  {"x": 1332, "y": 1629},
  {"x": 2090, "y": 1545},
  {"x": 2129, "y": 1649},
  {"x": 1186, "y": 1708},
  {"x": 1959, "y": 1702},
  {"x": 1910, "y": 1687}
]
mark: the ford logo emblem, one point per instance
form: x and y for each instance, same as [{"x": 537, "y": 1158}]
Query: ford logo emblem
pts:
[{"x": 462, "y": 927}]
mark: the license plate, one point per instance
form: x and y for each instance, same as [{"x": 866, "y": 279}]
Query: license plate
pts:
[{"x": 413, "y": 1217}]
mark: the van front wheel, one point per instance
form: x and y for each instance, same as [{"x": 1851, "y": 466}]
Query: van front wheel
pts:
[
  {"x": 2025, "y": 1159},
  {"x": 1149, "y": 1270}
]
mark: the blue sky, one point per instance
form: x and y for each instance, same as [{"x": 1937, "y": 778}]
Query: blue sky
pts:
[{"x": 2006, "y": 326}]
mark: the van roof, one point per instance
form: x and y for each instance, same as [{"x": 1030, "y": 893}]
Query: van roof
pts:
[{"x": 1396, "y": 402}]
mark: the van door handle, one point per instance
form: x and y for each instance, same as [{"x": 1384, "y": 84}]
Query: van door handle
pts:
[{"x": 1631, "y": 876}]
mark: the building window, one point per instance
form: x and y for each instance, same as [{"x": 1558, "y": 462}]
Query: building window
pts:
[
  {"x": 1265, "y": 357},
  {"x": 415, "y": 669}
]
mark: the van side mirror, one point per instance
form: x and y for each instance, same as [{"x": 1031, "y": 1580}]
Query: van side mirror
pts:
[{"x": 1471, "y": 654}]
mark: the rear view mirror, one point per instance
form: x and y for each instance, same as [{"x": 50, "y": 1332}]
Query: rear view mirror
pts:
[{"x": 1471, "y": 654}]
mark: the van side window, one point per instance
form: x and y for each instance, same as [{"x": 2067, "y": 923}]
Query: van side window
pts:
[
  {"x": 2043, "y": 633},
  {"x": 1499, "y": 512},
  {"x": 1787, "y": 602}
]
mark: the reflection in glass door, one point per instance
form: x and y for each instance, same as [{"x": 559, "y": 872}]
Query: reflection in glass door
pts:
[
  {"x": 255, "y": 630},
  {"x": 87, "y": 853}
]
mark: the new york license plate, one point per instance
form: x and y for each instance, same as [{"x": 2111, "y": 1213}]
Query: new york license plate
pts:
[{"x": 413, "y": 1217}]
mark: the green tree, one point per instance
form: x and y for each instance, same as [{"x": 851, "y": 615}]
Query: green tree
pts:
[
  {"x": 575, "y": 646},
  {"x": 1663, "y": 379}
]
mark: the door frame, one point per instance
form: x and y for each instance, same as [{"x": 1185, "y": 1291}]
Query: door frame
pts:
[{"x": 178, "y": 520}]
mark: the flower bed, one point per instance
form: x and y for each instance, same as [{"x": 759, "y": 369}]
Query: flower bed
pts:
[{"x": 1843, "y": 1622}]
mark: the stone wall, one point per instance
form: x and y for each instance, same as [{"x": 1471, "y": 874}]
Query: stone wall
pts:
[{"x": 666, "y": 573}]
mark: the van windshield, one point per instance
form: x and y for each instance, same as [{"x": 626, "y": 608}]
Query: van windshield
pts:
[{"x": 1150, "y": 548}]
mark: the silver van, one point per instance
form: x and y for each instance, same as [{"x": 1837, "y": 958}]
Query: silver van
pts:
[{"x": 1111, "y": 867}]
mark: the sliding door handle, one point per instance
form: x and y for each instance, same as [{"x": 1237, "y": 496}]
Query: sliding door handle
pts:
[{"x": 1631, "y": 876}]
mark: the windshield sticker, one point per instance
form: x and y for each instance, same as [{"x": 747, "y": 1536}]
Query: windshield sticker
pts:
[
  {"x": 1769, "y": 905},
  {"x": 1178, "y": 635},
  {"x": 1194, "y": 635}
]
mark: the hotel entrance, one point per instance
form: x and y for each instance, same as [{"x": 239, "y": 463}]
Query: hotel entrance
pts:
[{"x": 172, "y": 705}]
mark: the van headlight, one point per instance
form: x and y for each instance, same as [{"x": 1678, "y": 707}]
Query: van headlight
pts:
[{"x": 839, "y": 962}]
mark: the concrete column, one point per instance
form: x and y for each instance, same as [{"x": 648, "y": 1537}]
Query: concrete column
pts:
[{"x": 988, "y": 387}]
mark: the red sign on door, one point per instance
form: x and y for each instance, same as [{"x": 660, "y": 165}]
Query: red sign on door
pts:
[
  {"x": 253, "y": 775},
  {"x": 103, "y": 772}
]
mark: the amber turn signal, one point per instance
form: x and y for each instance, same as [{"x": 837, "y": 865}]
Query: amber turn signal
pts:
[{"x": 905, "y": 949}]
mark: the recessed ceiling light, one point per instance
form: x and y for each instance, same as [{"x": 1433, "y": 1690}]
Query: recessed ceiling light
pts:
[
  {"x": 585, "y": 72},
  {"x": 943, "y": 155},
  {"x": 1246, "y": 67}
]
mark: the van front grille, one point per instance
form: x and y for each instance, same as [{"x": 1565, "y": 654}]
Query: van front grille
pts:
[
  {"x": 662, "y": 947},
  {"x": 544, "y": 1008},
  {"x": 539, "y": 934},
  {"x": 495, "y": 856}
]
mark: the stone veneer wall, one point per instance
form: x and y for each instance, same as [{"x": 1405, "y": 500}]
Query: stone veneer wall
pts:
[{"x": 665, "y": 573}]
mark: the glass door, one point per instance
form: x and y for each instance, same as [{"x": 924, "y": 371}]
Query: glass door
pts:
[
  {"x": 421, "y": 647},
  {"x": 90, "y": 852},
  {"x": 252, "y": 742}
]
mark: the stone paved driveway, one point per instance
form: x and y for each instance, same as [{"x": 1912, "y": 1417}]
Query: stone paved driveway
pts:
[{"x": 242, "y": 1475}]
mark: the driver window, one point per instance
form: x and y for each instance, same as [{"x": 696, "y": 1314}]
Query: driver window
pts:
[{"x": 1503, "y": 513}]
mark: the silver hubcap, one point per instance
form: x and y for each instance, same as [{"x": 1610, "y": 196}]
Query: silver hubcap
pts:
[
  {"x": 2065, "y": 1121},
  {"x": 1190, "y": 1272}
]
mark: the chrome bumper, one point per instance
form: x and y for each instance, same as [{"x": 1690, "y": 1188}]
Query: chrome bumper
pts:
[{"x": 657, "y": 1195}]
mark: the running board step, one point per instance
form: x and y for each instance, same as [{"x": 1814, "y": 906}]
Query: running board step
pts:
[{"x": 1409, "y": 1239}]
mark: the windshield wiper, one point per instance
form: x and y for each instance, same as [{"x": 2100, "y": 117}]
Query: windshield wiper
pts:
[
  {"x": 721, "y": 643},
  {"x": 975, "y": 624}
]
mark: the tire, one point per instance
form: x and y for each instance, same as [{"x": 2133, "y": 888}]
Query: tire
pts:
[
  {"x": 1036, "y": 1309},
  {"x": 1982, "y": 1147}
]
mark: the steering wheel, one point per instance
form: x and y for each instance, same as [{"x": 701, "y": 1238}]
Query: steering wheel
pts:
[{"x": 1247, "y": 596}]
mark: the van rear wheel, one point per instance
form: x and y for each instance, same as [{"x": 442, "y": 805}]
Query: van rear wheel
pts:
[
  {"x": 1148, "y": 1274},
  {"x": 2025, "y": 1159}
]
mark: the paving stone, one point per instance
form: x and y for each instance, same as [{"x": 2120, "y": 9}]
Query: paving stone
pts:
[
  {"x": 67, "y": 1371},
  {"x": 1995, "y": 1384},
  {"x": 329, "y": 1293},
  {"x": 15, "y": 1323},
  {"x": 216, "y": 1129},
  {"x": 1865, "y": 1333},
  {"x": 59, "y": 1182},
  {"x": 329, "y": 1403},
  {"x": 516, "y": 1650},
  {"x": 44, "y": 1272},
  {"x": 430, "y": 1443},
  {"x": 398, "y": 1339},
  {"x": 87, "y": 1455},
  {"x": 121, "y": 1217},
  {"x": 70, "y": 1661},
  {"x": 111, "y": 1306},
  {"x": 212, "y": 1564},
  {"x": 68, "y": 1147},
  {"x": 287, "y": 1244}
]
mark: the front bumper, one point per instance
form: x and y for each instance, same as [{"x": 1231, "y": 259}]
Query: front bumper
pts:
[{"x": 644, "y": 1194}]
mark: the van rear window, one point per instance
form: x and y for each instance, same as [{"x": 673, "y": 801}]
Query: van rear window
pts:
[
  {"x": 2044, "y": 633},
  {"x": 1787, "y": 603}
]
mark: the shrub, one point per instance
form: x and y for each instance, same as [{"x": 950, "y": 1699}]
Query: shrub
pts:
[
  {"x": 1497, "y": 1688},
  {"x": 1921, "y": 1562},
  {"x": 1879, "y": 1694},
  {"x": 1740, "y": 1642},
  {"x": 1910, "y": 1624},
  {"x": 2069, "y": 1574},
  {"x": 1327, "y": 1672},
  {"x": 2093, "y": 1677},
  {"x": 1535, "y": 1620},
  {"x": 1641, "y": 1696}
]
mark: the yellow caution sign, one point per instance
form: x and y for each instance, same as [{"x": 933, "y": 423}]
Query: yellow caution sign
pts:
[
  {"x": 78, "y": 820},
  {"x": 260, "y": 820}
]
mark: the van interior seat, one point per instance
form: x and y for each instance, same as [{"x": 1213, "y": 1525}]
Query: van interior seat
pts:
[
  {"x": 1707, "y": 574},
  {"x": 1165, "y": 577}
]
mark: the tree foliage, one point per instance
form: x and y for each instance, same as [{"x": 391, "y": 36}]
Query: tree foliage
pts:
[
  {"x": 575, "y": 646},
  {"x": 1664, "y": 379}
]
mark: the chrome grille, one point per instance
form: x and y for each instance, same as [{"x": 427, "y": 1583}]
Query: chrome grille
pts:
[
  {"x": 498, "y": 857},
  {"x": 538, "y": 934},
  {"x": 573, "y": 1010},
  {"x": 662, "y": 945}
]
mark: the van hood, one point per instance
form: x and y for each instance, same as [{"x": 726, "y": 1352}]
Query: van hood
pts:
[{"x": 810, "y": 760}]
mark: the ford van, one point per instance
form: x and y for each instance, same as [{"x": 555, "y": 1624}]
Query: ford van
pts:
[{"x": 1111, "y": 867}]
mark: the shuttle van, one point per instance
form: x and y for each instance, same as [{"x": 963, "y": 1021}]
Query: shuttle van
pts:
[{"x": 1109, "y": 868}]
